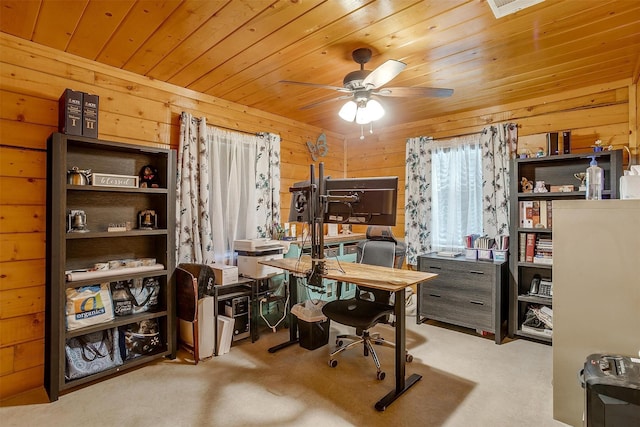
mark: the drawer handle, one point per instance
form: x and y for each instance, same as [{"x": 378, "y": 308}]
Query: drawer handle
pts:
[
  {"x": 435, "y": 295},
  {"x": 476, "y": 272},
  {"x": 476, "y": 302},
  {"x": 431, "y": 267}
]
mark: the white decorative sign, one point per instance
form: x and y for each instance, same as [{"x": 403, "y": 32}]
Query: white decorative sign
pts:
[{"x": 108, "y": 180}]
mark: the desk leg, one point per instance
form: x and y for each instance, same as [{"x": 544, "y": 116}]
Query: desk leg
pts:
[
  {"x": 293, "y": 320},
  {"x": 402, "y": 385}
]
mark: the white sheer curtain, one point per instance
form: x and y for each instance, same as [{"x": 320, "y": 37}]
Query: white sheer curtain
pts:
[
  {"x": 456, "y": 176},
  {"x": 233, "y": 189},
  {"x": 228, "y": 189}
]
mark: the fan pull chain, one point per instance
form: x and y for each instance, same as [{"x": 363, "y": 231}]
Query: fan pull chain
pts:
[
  {"x": 361, "y": 132},
  {"x": 371, "y": 129}
]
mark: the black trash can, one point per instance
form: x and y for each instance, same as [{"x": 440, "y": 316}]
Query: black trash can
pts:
[{"x": 313, "y": 326}]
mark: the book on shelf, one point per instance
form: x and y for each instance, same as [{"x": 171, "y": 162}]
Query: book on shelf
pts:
[
  {"x": 535, "y": 213},
  {"x": 522, "y": 249},
  {"x": 530, "y": 247},
  {"x": 526, "y": 213},
  {"x": 543, "y": 332},
  {"x": 543, "y": 251}
]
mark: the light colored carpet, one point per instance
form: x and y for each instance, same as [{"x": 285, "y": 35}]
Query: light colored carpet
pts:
[{"x": 468, "y": 380}]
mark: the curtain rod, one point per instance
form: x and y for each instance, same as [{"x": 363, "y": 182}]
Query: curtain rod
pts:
[
  {"x": 261, "y": 134},
  {"x": 474, "y": 133}
]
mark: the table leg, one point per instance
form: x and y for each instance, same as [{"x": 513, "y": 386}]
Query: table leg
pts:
[
  {"x": 402, "y": 384},
  {"x": 293, "y": 320}
]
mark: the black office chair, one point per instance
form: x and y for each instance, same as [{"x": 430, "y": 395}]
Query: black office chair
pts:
[{"x": 368, "y": 308}]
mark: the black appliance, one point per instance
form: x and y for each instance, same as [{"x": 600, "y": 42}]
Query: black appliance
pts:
[{"x": 612, "y": 391}]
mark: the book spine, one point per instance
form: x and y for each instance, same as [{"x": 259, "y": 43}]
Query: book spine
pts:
[
  {"x": 535, "y": 214},
  {"x": 70, "y": 112},
  {"x": 530, "y": 248},
  {"x": 549, "y": 214},
  {"x": 90, "y": 115},
  {"x": 522, "y": 252}
]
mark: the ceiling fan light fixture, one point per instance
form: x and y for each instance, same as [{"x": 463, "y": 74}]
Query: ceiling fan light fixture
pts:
[
  {"x": 348, "y": 111},
  {"x": 369, "y": 111}
]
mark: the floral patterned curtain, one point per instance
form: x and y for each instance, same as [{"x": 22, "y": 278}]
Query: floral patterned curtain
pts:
[
  {"x": 203, "y": 235},
  {"x": 194, "y": 241},
  {"x": 417, "y": 193},
  {"x": 498, "y": 147},
  {"x": 268, "y": 183}
]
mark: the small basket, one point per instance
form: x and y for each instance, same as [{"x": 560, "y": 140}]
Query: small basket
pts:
[
  {"x": 471, "y": 253},
  {"x": 500, "y": 256},
  {"x": 484, "y": 254}
]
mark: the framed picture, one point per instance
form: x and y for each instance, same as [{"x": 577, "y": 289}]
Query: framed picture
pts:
[{"x": 108, "y": 180}]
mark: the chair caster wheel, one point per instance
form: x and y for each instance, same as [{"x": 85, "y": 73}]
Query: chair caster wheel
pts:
[
  {"x": 380, "y": 375},
  {"x": 409, "y": 358},
  {"x": 333, "y": 363},
  {"x": 339, "y": 343}
]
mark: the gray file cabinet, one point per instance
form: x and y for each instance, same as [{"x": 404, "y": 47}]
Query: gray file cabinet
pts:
[{"x": 467, "y": 293}]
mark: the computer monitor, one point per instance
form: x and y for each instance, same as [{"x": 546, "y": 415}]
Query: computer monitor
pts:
[{"x": 368, "y": 201}]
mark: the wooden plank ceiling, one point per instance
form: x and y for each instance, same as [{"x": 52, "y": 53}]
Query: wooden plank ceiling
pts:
[{"x": 239, "y": 50}]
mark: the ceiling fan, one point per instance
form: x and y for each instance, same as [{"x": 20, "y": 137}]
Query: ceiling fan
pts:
[{"x": 362, "y": 84}]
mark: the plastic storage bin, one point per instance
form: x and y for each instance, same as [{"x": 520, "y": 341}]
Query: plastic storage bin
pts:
[{"x": 313, "y": 326}]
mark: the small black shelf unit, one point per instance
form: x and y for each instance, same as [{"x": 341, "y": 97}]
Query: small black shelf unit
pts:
[{"x": 553, "y": 170}]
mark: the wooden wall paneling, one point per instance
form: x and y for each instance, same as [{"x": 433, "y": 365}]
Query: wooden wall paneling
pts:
[
  {"x": 25, "y": 135},
  {"x": 17, "y": 302},
  {"x": 22, "y": 218},
  {"x": 22, "y": 274}
]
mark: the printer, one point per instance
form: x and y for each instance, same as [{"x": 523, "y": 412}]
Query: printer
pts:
[
  {"x": 252, "y": 251},
  {"x": 612, "y": 390}
]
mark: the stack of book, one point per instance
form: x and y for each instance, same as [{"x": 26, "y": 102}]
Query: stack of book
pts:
[
  {"x": 543, "y": 251},
  {"x": 535, "y": 213}
]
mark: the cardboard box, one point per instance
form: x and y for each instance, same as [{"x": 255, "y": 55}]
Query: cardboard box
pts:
[
  {"x": 225, "y": 274},
  {"x": 90, "y": 115},
  {"x": 249, "y": 266},
  {"x": 70, "y": 112}
]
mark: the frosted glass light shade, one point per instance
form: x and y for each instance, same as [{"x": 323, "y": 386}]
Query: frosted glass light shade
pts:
[
  {"x": 375, "y": 110},
  {"x": 348, "y": 111}
]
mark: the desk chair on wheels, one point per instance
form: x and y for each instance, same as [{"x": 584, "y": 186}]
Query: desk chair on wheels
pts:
[{"x": 368, "y": 308}]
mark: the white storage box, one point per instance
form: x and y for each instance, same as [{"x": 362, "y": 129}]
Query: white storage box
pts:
[
  {"x": 225, "y": 274},
  {"x": 249, "y": 266}
]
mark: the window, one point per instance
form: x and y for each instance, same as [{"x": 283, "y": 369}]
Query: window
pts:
[{"x": 456, "y": 179}]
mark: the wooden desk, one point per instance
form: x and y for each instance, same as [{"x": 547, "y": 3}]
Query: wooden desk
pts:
[{"x": 364, "y": 275}]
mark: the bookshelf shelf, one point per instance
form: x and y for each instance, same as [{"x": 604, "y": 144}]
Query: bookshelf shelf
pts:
[{"x": 532, "y": 222}]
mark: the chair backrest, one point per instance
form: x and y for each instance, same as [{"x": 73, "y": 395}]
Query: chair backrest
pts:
[
  {"x": 186, "y": 295},
  {"x": 376, "y": 252},
  {"x": 383, "y": 232}
]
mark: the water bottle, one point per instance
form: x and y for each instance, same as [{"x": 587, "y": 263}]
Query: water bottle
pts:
[{"x": 595, "y": 180}]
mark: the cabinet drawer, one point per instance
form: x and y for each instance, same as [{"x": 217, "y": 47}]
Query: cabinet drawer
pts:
[
  {"x": 467, "y": 289},
  {"x": 460, "y": 272},
  {"x": 452, "y": 308}
]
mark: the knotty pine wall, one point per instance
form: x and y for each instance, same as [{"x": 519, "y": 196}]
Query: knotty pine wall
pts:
[
  {"x": 133, "y": 109},
  {"x": 607, "y": 112}
]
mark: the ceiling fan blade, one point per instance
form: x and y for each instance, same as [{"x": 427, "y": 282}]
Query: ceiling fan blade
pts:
[
  {"x": 317, "y": 85},
  {"x": 416, "y": 92},
  {"x": 326, "y": 101},
  {"x": 383, "y": 74}
]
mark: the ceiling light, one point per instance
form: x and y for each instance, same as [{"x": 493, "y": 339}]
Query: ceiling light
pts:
[{"x": 363, "y": 112}]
